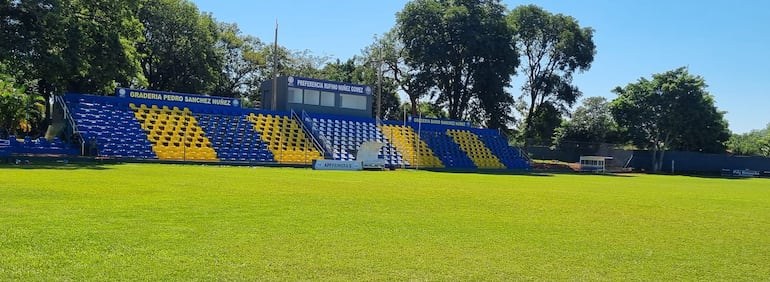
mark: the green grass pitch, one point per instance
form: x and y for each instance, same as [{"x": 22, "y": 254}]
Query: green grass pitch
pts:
[{"x": 170, "y": 222}]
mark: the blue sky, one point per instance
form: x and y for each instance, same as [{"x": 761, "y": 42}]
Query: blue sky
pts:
[{"x": 726, "y": 42}]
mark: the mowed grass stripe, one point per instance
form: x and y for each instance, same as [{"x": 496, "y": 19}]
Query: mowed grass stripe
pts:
[{"x": 149, "y": 222}]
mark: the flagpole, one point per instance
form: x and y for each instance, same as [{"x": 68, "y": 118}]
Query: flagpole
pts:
[{"x": 275, "y": 69}]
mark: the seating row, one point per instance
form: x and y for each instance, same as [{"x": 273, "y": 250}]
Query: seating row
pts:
[
  {"x": 173, "y": 131},
  {"x": 109, "y": 126},
  {"x": 39, "y": 146},
  {"x": 343, "y": 138},
  {"x": 233, "y": 138},
  {"x": 285, "y": 138},
  {"x": 481, "y": 156}
]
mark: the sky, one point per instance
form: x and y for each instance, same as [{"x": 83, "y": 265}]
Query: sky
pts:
[{"x": 725, "y": 42}]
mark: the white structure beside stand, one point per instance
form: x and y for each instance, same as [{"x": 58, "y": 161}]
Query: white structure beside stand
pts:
[{"x": 593, "y": 163}]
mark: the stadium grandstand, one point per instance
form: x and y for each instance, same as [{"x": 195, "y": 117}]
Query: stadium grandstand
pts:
[{"x": 312, "y": 120}]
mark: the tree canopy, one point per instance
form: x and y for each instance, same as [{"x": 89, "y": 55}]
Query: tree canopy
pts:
[
  {"x": 673, "y": 111},
  {"x": 179, "y": 51},
  {"x": 244, "y": 67},
  {"x": 90, "y": 46},
  {"x": 19, "y": 111},
  {"x": 56, "y": 46},
  {"x": 391, "y": 53},
  {"x": 451, "y": 58},
  {"x": 363, "y": 70},
  {"x": 464, "y": 49},
  {"x": 591, "y": 122},
  {"x": 754, "y": 143},
  {"x": 553, "y": 48}
]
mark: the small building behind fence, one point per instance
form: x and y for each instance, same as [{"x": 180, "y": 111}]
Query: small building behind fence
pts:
[{"x": 593, "y": 163}]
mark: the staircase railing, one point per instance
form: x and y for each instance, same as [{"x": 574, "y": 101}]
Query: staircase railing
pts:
[
  {"x": 628, "y": 163},
  {"x": 322, "y": 140},
  {"x": 523, "y": 153},
  {"x": 307, "y": 131},
  {"x": 68, "y": 116}
]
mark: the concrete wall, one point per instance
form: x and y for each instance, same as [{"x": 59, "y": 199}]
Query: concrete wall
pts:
[
  {"x": 694, "y": 162},
  {"x": 684, "y": 162}
]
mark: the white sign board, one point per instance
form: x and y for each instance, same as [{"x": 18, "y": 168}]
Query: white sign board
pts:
[
  {"x": 337, "y": 165},
  {"x": 369, "y": 154}
]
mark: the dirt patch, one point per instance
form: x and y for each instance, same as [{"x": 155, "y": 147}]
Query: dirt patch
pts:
[{"x": 555, "y": 166}]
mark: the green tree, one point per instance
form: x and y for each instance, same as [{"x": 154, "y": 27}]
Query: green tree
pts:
[
  {"x": 431, "y": 110},
  {"x": 292, "y": 62},
  {"x": 377, "y": 72},
  {"x": 673, "y": 111},
  {"x": 591, "y": 122},
  {"x": 244, "y": 64},
  {"x": 424, "y": 109},
  {"x": 180, "y": 52},
  {"x": 295, "y": 63},
  {"x": 390, "y": 51},
  {"x": 554, "y": 47},
  {"x": 545, "y": 120},
  {"x": 464, "y": 49},
  {"x": 753, "y": 143},
  {"x": 79, "y": 46},
  {"x": 764, "y": 146},
  {"x": 100, "y": 51},
  {"x": 19, "y": 111},
  {"x": 347, "y": 71},
  {"x": 363, "y": 70},
  {"x": 302, "y": 63}
]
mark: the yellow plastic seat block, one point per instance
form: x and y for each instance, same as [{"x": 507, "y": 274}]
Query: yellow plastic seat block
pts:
[
  {"x": 414, "y": 150},
  {"x": 285, "y": 139},
  {"x": 173, "y": 133},
  {"x": 470, "y": 143}
]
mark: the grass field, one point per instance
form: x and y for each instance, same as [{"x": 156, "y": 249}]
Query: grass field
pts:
[{"x": 171, "y": 222}]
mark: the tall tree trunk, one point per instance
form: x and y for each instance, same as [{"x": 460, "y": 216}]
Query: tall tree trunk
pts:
[
  {"x": 528, "y": 118},
  {"x": 662, "y": 150},
  {"x": 413, "y": 100},
  {"x": 46, "y": 90},
  {"x": 660, "y": 160},
  {"x": 657, "y": 158}
]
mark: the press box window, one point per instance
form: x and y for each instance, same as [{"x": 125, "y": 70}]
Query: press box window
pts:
[
  {"x": 312, "y": 96},
  {"x": 295, "y": 95},
  {"x": 327, "y": 99},
  {"x": 353, "y": 101}
]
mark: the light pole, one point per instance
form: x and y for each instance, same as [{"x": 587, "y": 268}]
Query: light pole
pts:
[
  {"x": 273, "y": 104},
  {"x": 403, "y": 108},
  {"x": 379, "y": 85},
  {"x": 418, "y": 139},
  {"x": 379, "y": 60}
]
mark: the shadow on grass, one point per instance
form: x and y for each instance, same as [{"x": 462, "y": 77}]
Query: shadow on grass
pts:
[
  {"x": 76, "y": 163},
  {"x": 60, "y": 166},
  {"x": 537, "y": 173},
  {"x": 607, "y": 174},
  {"x": 700, "y": 175},
  {"x": 716, "y": 176},
  {"x": 494, "y": 172}
]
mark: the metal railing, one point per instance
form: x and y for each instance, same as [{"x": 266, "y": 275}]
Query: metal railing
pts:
[
  {"x": 307, "y": 131},
  {"x": 628, "y": 163},
  {"x": 524, "y": 155},
  {"x": 68, "y": 116},
  {"x": 323, "y": 142}
]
